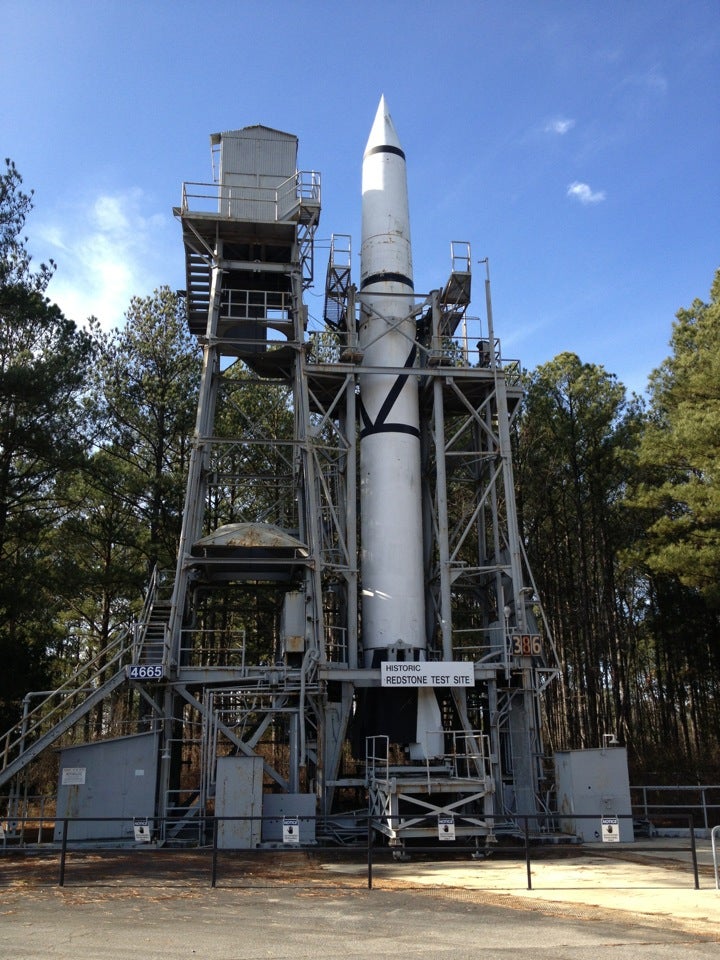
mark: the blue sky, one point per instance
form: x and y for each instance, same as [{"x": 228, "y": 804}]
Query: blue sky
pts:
[{"x": 574, "y": 143}]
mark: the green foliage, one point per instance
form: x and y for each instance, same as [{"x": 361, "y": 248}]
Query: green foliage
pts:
[
  {"x": 43, "y": 360},
  {"x": 679, "y": 470},
  {"x": 572, "y": 465},
  {"x": 15, "y": 205},
  {"x": 144, "y": 397}
]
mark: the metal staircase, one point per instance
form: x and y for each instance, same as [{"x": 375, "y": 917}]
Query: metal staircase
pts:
[
  {"x": 58, "y": 712},
  {"x": 198, "y": 275},
  {"x": 88, "y": 686}
]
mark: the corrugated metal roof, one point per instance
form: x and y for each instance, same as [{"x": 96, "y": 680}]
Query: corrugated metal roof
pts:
[
  {"x": 255, "y": 131},
  {"x": 265, "y": 535}
]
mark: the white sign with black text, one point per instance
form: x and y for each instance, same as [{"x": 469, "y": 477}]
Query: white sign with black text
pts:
[
  {"x": 72, "y": 776},
  {"x": 291, "y": 830},
  {"x": 446, "y": 826},
  {"x": 610, "y": 830},
  {"x": 415, "y": 673},
  {"x": 141, "y": 827}
]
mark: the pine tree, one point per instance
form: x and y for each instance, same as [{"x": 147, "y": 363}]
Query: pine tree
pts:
[
  {"x": 680, "y": 454},
  {"x": 43, "y": 360}
]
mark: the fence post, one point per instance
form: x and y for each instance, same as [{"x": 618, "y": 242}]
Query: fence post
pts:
[
  {"x": 369, "y": 853},
  {"x": 63, "y": 851},
  {"x": 704, "y": 809},
  {"x": 693, "y": 850},
  {"x": 213, "y": 880},
  {"x": 526, "y": 830}
]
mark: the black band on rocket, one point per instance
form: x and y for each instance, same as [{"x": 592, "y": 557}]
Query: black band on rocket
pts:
[
  {"x": 387, "y": 278},
  {"x": 385, "y": 148},
  {"x": 381, "y": 425}
]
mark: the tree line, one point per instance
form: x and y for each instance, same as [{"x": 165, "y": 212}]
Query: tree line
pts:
[{"x": 617, "y": 497}]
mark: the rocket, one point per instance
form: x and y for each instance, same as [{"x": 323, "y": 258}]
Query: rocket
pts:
[{"x": 393, "y": 596}]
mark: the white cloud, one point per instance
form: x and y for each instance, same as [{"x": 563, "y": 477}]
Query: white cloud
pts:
[
  {"x": 108, "y": 249},
  {"x": 652, "y": 81},
  {"x": 583, "y": 193},
  {"x": 559, "y": 125}
]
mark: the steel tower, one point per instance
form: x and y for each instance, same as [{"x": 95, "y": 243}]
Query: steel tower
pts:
[{"x": 267, "y": 683}]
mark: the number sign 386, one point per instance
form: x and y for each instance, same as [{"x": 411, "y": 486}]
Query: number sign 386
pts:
[{"x": 526, "y": 645}]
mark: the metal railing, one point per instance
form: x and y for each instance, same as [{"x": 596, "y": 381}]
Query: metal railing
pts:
[
  {"x": 466, "y": 753},
  {"x": 293, "y": 832},
  {"x": 701, "y": 798},
  {"x": 214, "y": 649},
  {"x": 55, "y": 705},
  {"x": 263, "y": 307},
  {"x": 274, "y": 204}
]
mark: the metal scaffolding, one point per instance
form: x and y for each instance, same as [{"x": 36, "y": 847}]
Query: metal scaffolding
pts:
[{"x": 247, "y": 663}]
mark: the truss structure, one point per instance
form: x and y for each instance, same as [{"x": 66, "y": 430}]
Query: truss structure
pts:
[{"x": 252, "y": 650}]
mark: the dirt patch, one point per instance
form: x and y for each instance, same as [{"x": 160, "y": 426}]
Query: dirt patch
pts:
[{"x": 161, "y": 876}]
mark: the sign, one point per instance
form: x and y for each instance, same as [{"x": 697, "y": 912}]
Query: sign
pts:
[
  {"x": 446, "y": 826},
  {"x": 526, "y": 645},
  {"x": 610, "y": 830},
  {"x": 141, "y": 826},
  {"x": 408, "y": 673},
  {"x": 291, "y": 830},
  {"x": 71, "y": 776},
  {"x": 145, "y": 671}
]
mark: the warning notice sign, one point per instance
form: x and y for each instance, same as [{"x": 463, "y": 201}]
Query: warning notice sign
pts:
[{"x": 610, "y": 830}]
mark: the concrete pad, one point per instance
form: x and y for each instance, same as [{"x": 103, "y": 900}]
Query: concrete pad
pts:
[{"x": 651, "y": 883}]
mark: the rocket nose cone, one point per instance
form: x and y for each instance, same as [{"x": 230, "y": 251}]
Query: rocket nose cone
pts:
[{"x": 382, "y": 132}]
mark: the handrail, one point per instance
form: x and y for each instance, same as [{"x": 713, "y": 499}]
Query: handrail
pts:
[
  {"x": 123, "y": 646},
  {"x": 84, "y": 680},
  {"x": 302, "y": 188},
  {"x": 700, "y": 790},
  {"x": 153, "y": 825},
  {"x": 713, "y": 835}
]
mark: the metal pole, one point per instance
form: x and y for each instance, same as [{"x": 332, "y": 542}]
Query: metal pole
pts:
[
  {"x": 713, "y": 837},
  {"x": 442, "y": 508},
  {"x": 214, "y": 851},
  {"x": 527, "y": 852},
  {"x": 693, "y": 850},
  {"x": 351, "y": 515},
  {"x": 369, "y": 853},
  {"x": 63, "y": 851}
]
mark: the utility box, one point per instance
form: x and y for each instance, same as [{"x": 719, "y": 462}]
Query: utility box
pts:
[
  {"x": 592, "y": 784},
  {"x": 239, "y": 794},
  {"x": 293, "y": 623},
  {"x": 107, "y": 779}
]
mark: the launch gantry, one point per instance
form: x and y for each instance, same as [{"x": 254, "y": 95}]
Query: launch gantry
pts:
[{"x": 259, "y": 690}]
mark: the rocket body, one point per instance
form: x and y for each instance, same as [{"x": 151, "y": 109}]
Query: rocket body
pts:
[{"x": 393, "y": 601}]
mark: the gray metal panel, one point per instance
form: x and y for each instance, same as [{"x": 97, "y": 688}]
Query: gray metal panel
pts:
[
  {"x": 254, "y": 162},
  {"x": 113, "y": 778},
  {"x": 288, "y": 805},
  {"x": 268, "y": 153},
  {"x": 239, "y": 794},
  {"x": 593, "y": 783}
]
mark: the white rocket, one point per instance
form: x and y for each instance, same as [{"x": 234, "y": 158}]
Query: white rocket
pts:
[{"x": 393, "y": 602}]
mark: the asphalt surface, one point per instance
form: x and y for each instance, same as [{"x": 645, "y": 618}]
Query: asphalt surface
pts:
[{"x": 637, "y": 903}]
